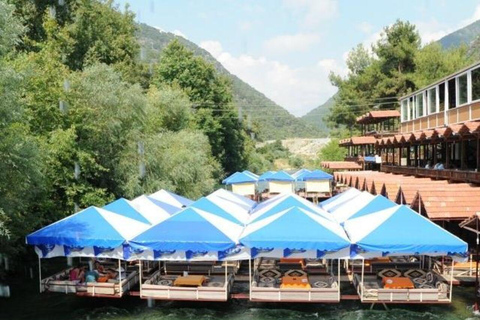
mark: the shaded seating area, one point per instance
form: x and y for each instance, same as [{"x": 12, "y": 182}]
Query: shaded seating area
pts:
[{"x": 394, "y": 232}]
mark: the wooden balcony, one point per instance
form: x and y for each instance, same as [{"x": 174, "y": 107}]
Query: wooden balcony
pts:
[{"x": 451, "y": 175}]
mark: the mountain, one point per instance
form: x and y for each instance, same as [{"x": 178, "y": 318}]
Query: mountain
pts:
[
  {"x": 315, "y": 117},
  {"x": 465, "y": 35},
  {"x": 272, "y": 121}
]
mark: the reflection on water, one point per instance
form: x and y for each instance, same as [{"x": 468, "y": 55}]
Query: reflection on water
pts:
[{"x": 27, "y": 303}]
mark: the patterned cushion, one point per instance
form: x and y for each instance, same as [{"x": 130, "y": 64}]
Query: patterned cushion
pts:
[
  {"x": 215, "y": 284},
  {"x": 390, "y": 273},
  {"x": 272, "y": 273},
  {"x": 320, "y": 284},
  {"x": 295, "y": 273},
  {"x": 430, "y": 277},
  {"x": 414, "y": 273},
  {"x": 425, "y": 286},
  {"x": 165, "y": 282},
  {"x": 267, "y": 280},
  {"x": 419, "y": 281}
]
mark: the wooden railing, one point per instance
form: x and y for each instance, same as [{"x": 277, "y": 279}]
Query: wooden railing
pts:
[{"x": 451, "y": 175}]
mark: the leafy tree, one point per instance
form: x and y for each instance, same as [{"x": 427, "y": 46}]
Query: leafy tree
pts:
[
  {"x": 332, "y": 152},
  {"x": 168, "y": 108},
  {"x": 178, "y": 161},
  {"x": 211, "y": 94}
]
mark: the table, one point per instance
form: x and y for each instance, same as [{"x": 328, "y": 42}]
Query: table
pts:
[
  {"x": 397, "y": 283},
  {"x": 295, "y": 283},
  {"x": 293, "y": 261},
  {"x": 189, "y": 281}
]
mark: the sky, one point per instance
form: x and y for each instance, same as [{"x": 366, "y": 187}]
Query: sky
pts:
[{"x": 287, "y": 48}]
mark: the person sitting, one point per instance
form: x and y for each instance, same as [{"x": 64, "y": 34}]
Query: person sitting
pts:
[
  {"x": 99, "y": 268},
  {"x": 91, "y": 276},
  {"x": 77, "y": 273}
]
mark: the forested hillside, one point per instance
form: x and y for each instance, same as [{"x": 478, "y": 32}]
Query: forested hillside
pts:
[
  {"x": 464, "y": 36},
  {"x": 269, "y": 119},
  {"x": 317, "y": 116}
]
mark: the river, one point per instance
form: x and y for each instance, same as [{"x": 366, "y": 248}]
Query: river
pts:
[{"x": 27, "y": 303}]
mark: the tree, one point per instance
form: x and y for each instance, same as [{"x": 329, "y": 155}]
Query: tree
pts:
[
  {"x": 178, "y": 161},
  {"x": 168, "y": 108},
  {"x": 332, "y": 152},
  {"x": 211, "y": 95}
]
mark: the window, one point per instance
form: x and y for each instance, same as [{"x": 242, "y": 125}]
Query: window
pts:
[
  {"x": 441, "y": 96},
  {"x": 432, "y": 100},
  {"x": 476, "y": 84},
  {"x": 462, "y": 89},
  {"x": 412, "y": 108},
  {"x": 452, "y": 94},
  {"x": 420, "y": 105},
  {"x": 404, "y": 110}
]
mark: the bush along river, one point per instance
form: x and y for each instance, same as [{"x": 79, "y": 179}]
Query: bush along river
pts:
[{"x": 26, "y": 303}]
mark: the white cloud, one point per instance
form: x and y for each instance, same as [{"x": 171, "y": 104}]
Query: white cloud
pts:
[
  {"x": 214, "y": 47},
  {"x": 179, "y": 34},
  {"x": 473, "y": 18},
  {"x": 314, "y": 11},
  {"x": 365, "y": 27},
  {"x": 292, "y": 42},
  {"x": 159, "y": 29},
  {"x": 297, "y": 89}
]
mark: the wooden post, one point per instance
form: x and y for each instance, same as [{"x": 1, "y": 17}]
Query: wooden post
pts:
[
  {"x": 447, "y": 155},
  {"x": 462, "y": 153},
  {"x": 416, "y": 155},
  {"x": 120, "y": 277},
  {"x": 434, "y": 154},
  {"x": 409, "y": 161},
  {"x": 478, "y": 153}
]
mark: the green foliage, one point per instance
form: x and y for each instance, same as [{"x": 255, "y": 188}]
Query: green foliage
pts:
[
  {"x": 211, "y": 94},
  {"x": 268, "y": 120},
  {"x": 399, "y": 66},
  {"x": 178, "y": 161},
  {"x": 273, "y": 151},
  {"x": 332, "y": 152},
  {"x": 11, "y": 28},
  {"x": 167, "y": 108}
]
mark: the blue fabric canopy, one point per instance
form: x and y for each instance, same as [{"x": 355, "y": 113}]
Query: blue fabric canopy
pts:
[
  {"x": 316, "y": 175},
  {"x": 280, "y": 176},
  {"x": 285, "y": 202},
  {"x": 295, "y": 229},
  {"x": 206, "y": 205},
  {"x": 400, "y": 230},
  {"x": 124, "y": 208},
  {"x": 240, "y": 177},
  {"x": 300, "y": 174},
  {"x": 378, "y": 203},
  {"x": 92, "y": 227},
  {"x": 188, "y": 230},
  {"x": 184, "y": 201},
  {"x": 165, "y": 206},
  {"x": 339, "y": 199},
  {"x": 266, "y": 175}
]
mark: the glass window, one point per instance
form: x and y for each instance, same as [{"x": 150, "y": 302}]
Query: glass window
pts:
[
  {"x": 420, "y": 105},
  {"x": 452, "y": 94},
  {"x": 412, "y": 108},
  {"x": 441, "y": 96},
  {"x": 432, "y": 100},
  {"x": 476, "y": 84},
  {"x": 405, "y": 110},
  {"x": 462, "y": 89}
]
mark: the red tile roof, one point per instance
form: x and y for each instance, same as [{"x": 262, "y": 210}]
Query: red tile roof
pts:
[{"x": 438, "y": 198}]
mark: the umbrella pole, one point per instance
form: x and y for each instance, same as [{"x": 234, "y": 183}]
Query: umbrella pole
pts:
[
  {"x": 339, "y": 280},
  {"x": 250, "y": 277},
  {"x": 451, "y": 282},
  {"x": 361, "y": 287},
  {"x": 40, "y": 273},
  {"x": 477, "y": 294},
  {"x": 120, "y": 277},
  {"x": 140, "y": 276}
]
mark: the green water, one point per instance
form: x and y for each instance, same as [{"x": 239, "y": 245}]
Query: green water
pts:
[{"x": 27, "y": 303}]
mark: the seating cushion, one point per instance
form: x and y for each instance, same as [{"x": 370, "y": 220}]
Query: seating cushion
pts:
[{"x": 389, "y": 273}]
